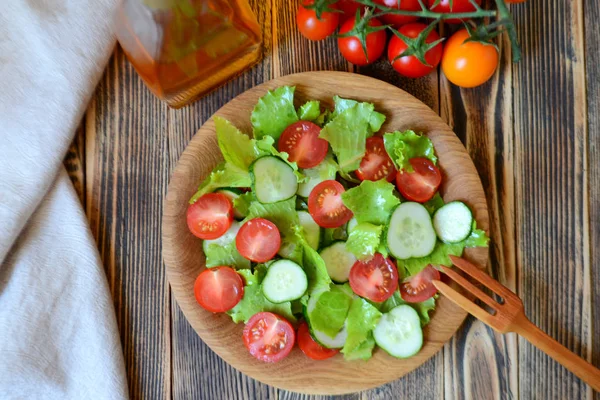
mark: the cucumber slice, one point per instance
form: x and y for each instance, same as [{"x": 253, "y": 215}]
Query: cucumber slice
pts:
[
  {"x": 316, "y": 175},
  {"x": 285, "y": 281},
  {"x": 320, "y": 337},
  {"x": 273, "y": 180},
  {"x": 399, "y": 332},
  {"x": 232, "y": 194},
  {"x": 338, "y": 261},
  {"x": 410, "y": 232},
  {"x": 351, "y": 225},
  {"x": 312, "y": 231},
  {"x": 226, "y": 238},
  {"x": 453, "y": 222}
]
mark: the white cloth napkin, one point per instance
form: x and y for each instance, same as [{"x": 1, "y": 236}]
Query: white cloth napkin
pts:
[{"x": 58, "y": 334}]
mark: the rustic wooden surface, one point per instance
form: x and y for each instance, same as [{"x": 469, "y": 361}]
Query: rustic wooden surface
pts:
[{"x": 533, "y": 132}]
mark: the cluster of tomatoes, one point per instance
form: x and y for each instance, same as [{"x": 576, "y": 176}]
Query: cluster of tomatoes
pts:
[{"x": 415, "y": 48}]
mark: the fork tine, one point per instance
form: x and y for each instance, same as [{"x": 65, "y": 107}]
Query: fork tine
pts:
[
  {"x": 470, "y": 287},
  {"x": 464, "y": 303},
  {"x": 483, "y": 278}
]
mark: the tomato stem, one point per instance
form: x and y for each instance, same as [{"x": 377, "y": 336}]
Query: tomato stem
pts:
[
  {"x": 426, "y": 13},
  {"x": 504, "y": 14}
]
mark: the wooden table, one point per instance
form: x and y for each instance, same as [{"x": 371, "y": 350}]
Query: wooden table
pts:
[{"x": 533, "y": 132}]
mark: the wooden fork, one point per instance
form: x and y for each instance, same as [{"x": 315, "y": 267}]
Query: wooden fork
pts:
[{"x": 510, "y": 317}]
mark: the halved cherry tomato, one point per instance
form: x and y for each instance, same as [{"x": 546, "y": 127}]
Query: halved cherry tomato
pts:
[
  {"x": 468, "y": 64},
  {"x": 458, "y": 6},
  {"x": 376, "y": 164},
  {"x": 375, "y": 279},
  {"x": 421, "y": 184},
  {"x": 301, "y": 141},
  {"x": 410, "y": 66},
  {"x": 348, "y": 9},
  {"x": 353, "y": 51},
  {"x": 210, "y": 216},
  {"x": 258, "y": 240},
  {"x": 314, "y": 28},
  {"x": 326, "y": 207},
  {"x": 406, "y": 5},
  {"x": 218, "y": 289},
  {"x": 419, "y": 287},
  {"x": 311, "y": 348},
  {"x": 268, "y": 337}
]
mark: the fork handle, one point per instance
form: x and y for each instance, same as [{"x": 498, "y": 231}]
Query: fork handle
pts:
[{"x": 577, "y": 365}]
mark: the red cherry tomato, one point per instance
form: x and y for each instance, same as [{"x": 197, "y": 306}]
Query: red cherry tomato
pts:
[
  {"x": 348, "y": 9},
  {"x": 353, "y": 51},
  {"x": 376, "y": 164},
  {"x": 458, "y": 6},
  {"x": 314, "y": 28},
  {"x": 218, "y": 289},
  {"x": 419, "y": 287},
  {"x": 326, "y": 207},
  {"x": 301, "y": 141},
  {"x": 406, "y": 5},
  {"x": 258, "y": 240},
  {"x": 210, "y": 216},
  {"x": 268, "y": 337},
  {"x": 311, "y": 348},
  {"x": 375, "y": 279},
  {"x": 421, "y": 184},
  {"x": 410, "y": 66}
]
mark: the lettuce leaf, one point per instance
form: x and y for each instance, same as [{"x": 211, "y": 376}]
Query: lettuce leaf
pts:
[
  {"x": 242, "y": 203},
  {"x": 434, "y": 204},
  {"x": 364, "y": 240},
  {"x": 324, "y": 171},
  {"x": 423, "y": 308},
  {"x": 254, "y": 300},
  {"x": 331, "y": 235},
  {"x": 237, "y": 148},
  {"x": 442, "y": 251},
  {"x": 228, "y": 254},
  {"x": 224, "y": 175},
  {"x": 371, "y": 202},
  {"x": 283, "y": 214},
  {"x": 360, "y": 322},
  {"x": 309, "y": 111},
  {"x": 402, "y": 146},
  {"x": 313, "y": 265},
  {"x": 274, "y": 112},
  {"x": 348, "y": 129},
  {"x": 331, "y": 310}
]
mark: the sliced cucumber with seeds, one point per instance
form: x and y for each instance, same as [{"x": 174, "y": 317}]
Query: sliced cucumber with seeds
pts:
[
  {"x": 273, "y": 179},
  {"x": 285, "y": 281},
  {"x": 453, "y": 222},
  {"x": 399, "y": 332},
  {"x": 232, "y": 194},
  {"x": 410, "y": 232},
  {"x": 338, "y": 261},
  {"x": 312, "y": 231}
]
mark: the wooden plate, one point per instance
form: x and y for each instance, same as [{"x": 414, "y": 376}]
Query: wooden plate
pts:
[{"x": 184, "y": 258}]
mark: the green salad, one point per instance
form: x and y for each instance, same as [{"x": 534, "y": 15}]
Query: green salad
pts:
[{"x": 323, "y": 231}]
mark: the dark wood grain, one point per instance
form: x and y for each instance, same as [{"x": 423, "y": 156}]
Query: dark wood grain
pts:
[
  {"x": 592, "y": 59},
  {"x": 126, "y": 177},
  {"x": 75, "y": 161},
  {"x": 553, "y": 193}
]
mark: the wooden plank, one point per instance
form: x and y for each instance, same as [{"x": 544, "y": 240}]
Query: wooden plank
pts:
[
  {"x": 198, "y": 373},
  {"x": 554, "y": 271},
  {"x": 126, "y": 177},
  {"x": 479, "y": 361},
  {"x": 591, "y": 13},
  {"x": 74, "y": 162}
]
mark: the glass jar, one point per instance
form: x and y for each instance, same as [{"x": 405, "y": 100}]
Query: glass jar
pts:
[{"x": 183, "y": 49}]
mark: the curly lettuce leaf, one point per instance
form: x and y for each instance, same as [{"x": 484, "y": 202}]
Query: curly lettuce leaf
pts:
[
  {"x": 331, "y": 235},
  {"x": 423, "y": 308},
  {"x": 313, "y": 265},
  {"x": 371, "y": 202},
  {"x": 242, "y": 203},
  {"x": 331, "y": 310},
  {"x": 434, "y": 204},
  {"x": 237, "y": 148},
  {"x": 282, "y": 213},
  {"x": 309, "y": 111},
  {"x": 254, "y": 301},
  {"x": 228, "y": 254},
  {"x": 364, "y": 240},
  {"x": 442, "y": 251},
  {"x": 350, "y": 126},
  {"x": 324, "y": 171},
  {"x": 360, "y": 322},
  {"x": 402, "y": 146},
  {"x": 224, "y": 175},
  {"x": 274, "y": 112}
]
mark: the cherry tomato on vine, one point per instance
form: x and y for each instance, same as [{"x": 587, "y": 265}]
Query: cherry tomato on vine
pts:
[
  {"x": 458, "y": 6},
  {"x": 468, "y": 64},
  {"x": 406, "y": 5},
  {"x": 314, "y": 28},
  {"x": 348, "y": 9},
  {"x": 410, "y": 66},
  {"x": 352, "y": 49}
]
